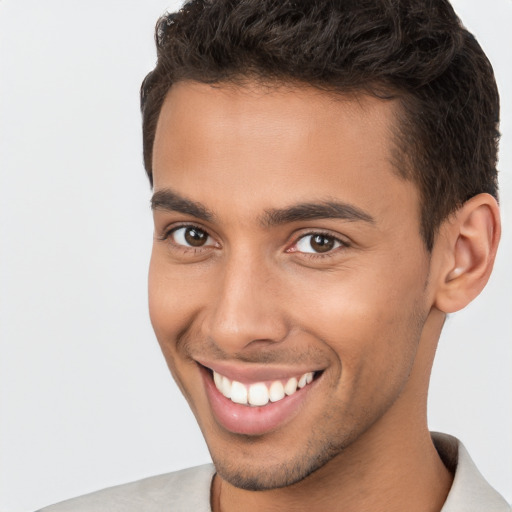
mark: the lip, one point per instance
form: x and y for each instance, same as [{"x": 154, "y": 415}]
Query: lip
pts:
[
  {"x": 247, "y": 420},
  {"x": 250, "y": 375}
]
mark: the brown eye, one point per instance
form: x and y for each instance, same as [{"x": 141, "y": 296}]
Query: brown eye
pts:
[
  {"x": 195, "y": 237},
  {"x": 322, "y": 243},
  {"x": 190, "y": 236},
  {"x": 317, "y": 243}
]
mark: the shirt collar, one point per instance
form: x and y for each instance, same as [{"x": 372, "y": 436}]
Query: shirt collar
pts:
[{"x": 470, "y": 492}]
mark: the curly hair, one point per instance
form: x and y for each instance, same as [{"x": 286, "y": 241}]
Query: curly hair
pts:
[{"x": 415, "y": 51}]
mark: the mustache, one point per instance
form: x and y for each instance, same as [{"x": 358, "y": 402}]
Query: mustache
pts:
[{"x": 200, "y": 347}]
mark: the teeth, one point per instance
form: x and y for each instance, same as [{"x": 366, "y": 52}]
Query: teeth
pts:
[
  {"x": 291, "y": 386},
  {"x": 307, "y": 378},
  {"x": 217, "y": 378},
  {"x": 276, "y": 391},
  {"x": 225, "y": 387},
  {"x": 258, "y": 394},
  {"x": 238, "y": 393}
]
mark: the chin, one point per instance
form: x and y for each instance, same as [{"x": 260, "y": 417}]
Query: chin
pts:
[{"x": 267, "y": 475}]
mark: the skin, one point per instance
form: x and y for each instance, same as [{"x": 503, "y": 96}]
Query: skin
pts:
[{"x": 367, "y": 313}]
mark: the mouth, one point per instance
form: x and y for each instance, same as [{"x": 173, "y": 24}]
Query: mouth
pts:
[{"x": 259, "y": 401}]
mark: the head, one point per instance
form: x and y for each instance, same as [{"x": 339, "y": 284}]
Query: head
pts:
[{"x": 324, "y": 177}]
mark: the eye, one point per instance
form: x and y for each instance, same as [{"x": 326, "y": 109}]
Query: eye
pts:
[
  {"x": 191, "y": 236},
  {"x": 317, "y": 243}
]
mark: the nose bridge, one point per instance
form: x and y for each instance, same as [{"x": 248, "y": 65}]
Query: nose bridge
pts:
[{"x": 246, "y": 307}]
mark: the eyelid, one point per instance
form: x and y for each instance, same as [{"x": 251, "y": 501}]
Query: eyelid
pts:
[
  {"x": 343, "y": 243},
  {"x": 168, "y": 229},
  {"x": 167, "y": 232}
]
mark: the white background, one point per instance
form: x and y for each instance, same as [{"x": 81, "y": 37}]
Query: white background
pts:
[{"x": 86, "y": 399}]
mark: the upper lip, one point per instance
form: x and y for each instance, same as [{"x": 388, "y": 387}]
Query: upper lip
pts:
[{"x": 252, "y": 372}]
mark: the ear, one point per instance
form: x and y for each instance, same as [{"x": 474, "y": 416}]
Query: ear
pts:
[{"x": 468, "y": 240}]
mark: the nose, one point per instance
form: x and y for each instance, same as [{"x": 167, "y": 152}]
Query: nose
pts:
[{"x": 246, "y": 310}]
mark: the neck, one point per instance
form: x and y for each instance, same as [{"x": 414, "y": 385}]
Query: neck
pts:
[{"x": 403, "y": 475}]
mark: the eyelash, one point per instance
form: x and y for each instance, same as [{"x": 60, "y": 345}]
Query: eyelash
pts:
[
  {"x": 168, "y": 234},
  {"x": 342, "y": 244}
]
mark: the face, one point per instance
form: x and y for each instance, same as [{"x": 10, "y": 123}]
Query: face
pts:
[{"x": 288, "y": 282}]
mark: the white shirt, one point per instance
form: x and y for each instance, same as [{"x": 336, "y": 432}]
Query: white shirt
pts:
[{"x": 188, "y": 490}]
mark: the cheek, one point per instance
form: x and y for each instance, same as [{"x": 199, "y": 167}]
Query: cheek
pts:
[
  {"x": 370, "y": 324},
  {"x": 172, "y": 303},
  {"x": 173, "y": 298}
]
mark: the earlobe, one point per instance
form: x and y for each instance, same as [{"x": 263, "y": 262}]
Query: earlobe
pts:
[{"x": 470, "y": 241}]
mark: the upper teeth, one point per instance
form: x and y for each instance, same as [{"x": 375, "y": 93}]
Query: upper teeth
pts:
[{"x": 259, "y": 393}]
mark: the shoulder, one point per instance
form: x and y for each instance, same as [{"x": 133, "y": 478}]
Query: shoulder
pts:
[
  {"x": 185, "y": 490},
  {"x": 470, "y": 491}
]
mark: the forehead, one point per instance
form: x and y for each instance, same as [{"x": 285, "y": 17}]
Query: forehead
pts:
[
  {"x": 275, "y": 141},
  {"x": 268, "y": 112}
]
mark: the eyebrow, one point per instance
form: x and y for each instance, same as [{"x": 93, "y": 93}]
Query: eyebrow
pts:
[
  {"x": 317, "y": 210},
  {"x": 166, "y": 199}
]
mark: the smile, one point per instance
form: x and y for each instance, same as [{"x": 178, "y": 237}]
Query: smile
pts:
[
  {"x": 259, "y": 394},
  {"x": 258, "y": 400}
]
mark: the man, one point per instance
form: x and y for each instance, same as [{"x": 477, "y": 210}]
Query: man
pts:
[{"x": 325, "y": 190}]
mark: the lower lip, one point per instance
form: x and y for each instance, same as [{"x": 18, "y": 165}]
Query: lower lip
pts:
[{"x": 244, "y": 419}]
